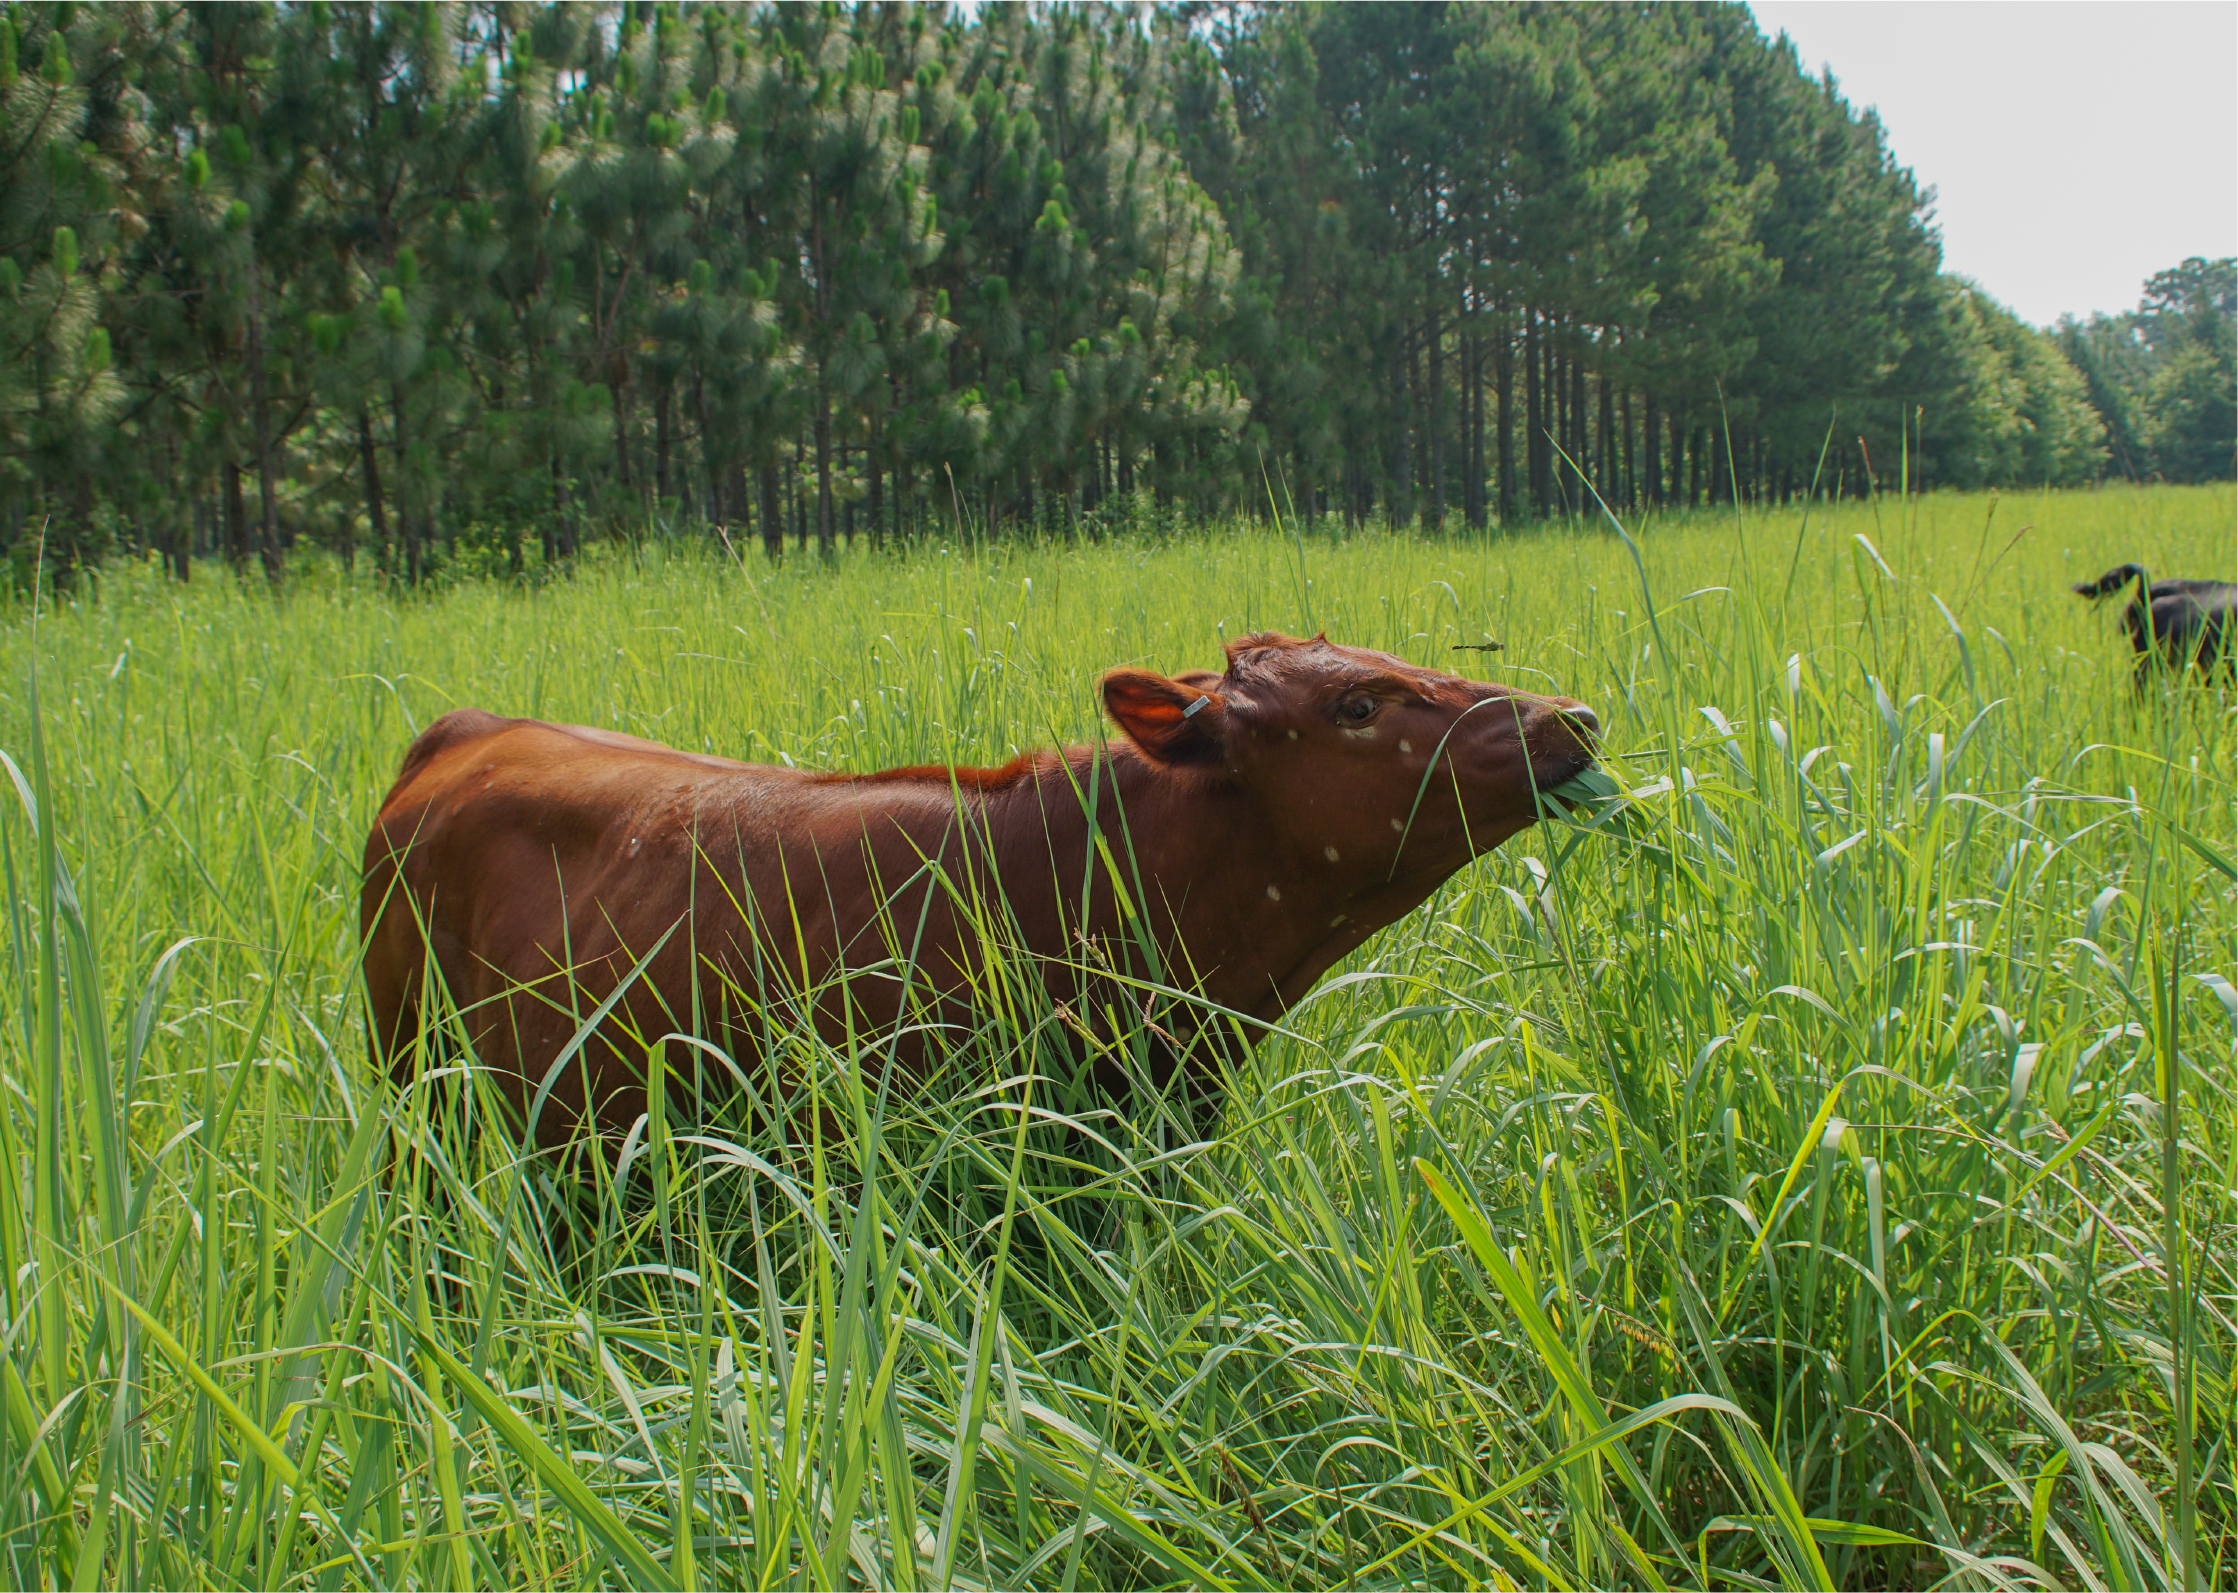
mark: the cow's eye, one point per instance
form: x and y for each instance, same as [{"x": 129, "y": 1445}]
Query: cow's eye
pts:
[{"x": 1357, "y": 710}]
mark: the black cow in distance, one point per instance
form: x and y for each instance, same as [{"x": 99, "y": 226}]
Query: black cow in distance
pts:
[{"x": 2176, "y": 622}]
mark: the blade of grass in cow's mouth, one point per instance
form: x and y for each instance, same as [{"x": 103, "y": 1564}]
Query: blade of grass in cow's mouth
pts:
[
  {"x": 1583, "y": 796},
  {"x": 1595, "y": 802}
]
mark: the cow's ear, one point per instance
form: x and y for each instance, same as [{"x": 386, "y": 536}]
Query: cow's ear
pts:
[{"x": 1170, "y": 720}]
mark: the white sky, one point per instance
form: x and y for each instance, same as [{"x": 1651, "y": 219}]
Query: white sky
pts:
[{"x": 2075, "y": 146}]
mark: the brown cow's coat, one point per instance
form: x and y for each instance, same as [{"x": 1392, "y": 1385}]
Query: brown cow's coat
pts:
[{"x": 1275, "y": 816}]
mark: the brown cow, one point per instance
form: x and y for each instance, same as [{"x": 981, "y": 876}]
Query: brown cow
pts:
[{"x": 1263, "y": 823}]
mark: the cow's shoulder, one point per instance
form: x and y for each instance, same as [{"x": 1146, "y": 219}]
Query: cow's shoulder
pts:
[{"x": 459, "y": 726}]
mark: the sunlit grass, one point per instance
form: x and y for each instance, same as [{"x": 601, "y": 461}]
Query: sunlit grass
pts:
[{"x": 1767, "y": 1185}]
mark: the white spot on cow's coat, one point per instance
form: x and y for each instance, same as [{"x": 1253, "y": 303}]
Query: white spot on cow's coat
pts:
[
  {"x": 1396, "y": 825},
  {"x": 1293, "y": 735},
  {"x": 633, "y": 845},
  {"x": 1364, "y": 733},
  {"x": 1330, "y": 853},
  {"x": 1274, "y": 893},
  {"x": 1406, "y": 746},
  {"x": 1334, "y": 922}
]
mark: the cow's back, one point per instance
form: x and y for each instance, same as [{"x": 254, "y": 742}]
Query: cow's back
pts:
[
  {"x": 532, "y": 865},
  {"x": 2192, "y": 621},
  {"x": 405, "y": 811},
  {"x": 455, "y": 728}
]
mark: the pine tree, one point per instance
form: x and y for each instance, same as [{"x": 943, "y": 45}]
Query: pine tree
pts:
[
  {"x": 493, "y": 279},
  {"x": 65, "y": 153}
]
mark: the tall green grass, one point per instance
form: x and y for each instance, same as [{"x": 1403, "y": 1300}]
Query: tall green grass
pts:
[{"x": 1824, "y": 1176}]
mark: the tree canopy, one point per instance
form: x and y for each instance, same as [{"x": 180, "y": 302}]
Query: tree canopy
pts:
[
  {"x": 2163, "y": 377},
  {"x": 462, "y": 285}
]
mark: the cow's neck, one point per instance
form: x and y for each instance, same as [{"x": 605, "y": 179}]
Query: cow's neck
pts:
[{"x": 1231, "y": 907}]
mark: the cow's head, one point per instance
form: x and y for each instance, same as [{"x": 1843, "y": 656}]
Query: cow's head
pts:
[{"x": 1358, "y": 759}]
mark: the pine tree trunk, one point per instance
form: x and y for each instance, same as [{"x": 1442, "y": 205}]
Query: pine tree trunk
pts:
[
  {"x": 1669, "y": 461},
  {"x": 1433, "y": 419},
  {"x": 825, "y": 529},
  {"x": 621, "y": 434},
  {"x": 236, "y": 520},
  {"x": 1476, "y": 432},
  {"x": 1631, "y": 455},
  {"x": 268, "y": 523},
  {"x": 176, "y": 526},
  {"x": 773, "y": 513},
  {"x": 177, "y": 550},
  {"x": 660, "y": 443},
  {"x": 1418, "y": 446},
  {"x": 563, "y": 519},
  {"x": 1464, "y": 417},
  {"x": 1558, "y": 422},
  {"x": 1503, "y": 372},
  {"x": 547, "y": 529},
  {"x": 1563, "y": 448},
  {"x": 1604, "y": 449},
  {"x": 1402, "y": 457},
  {"x": 407, "y": 530},
  {"x": 1568, "y": 466},
  {"x": 1581, "y": 461},
  {"x": 77, "y": 549},
  {"x": 718, "y": 479},
  {"x": 1478, "y": 507},
  {"x": 1651, "y": 448},
  {"x": 1581, "y": 432},
  {"x": 875, "y": 499},
  {"x": 1557, "y": 380},
  {"x": 800, "y": 497},
  {"x": 1534, "y": 412},
  {"x": 369, "y": 460}
]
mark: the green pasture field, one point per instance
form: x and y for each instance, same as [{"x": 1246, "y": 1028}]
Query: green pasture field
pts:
[{"x": 1824, "y": 1172}]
